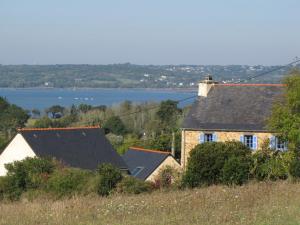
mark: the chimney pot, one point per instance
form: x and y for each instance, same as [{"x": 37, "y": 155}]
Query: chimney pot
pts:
[{"x": 205, "y": 86}]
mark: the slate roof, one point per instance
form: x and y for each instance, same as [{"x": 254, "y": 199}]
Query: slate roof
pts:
[
  {"x": 149, "y": 160},
  {"x": 76, "y": 147},
  {"x": 239, "y": 107}
]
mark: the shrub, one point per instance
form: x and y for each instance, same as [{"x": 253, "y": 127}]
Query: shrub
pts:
[
  {"x": 8, "y": 189},
  {"x": 30, "y": 172},
  {"x": 270, "y": 165},
  {"x": 207, "y": 160},
  {"x": 294, "y": 169},
  {"x": 109, "y": 176},
  {"x": 131, "y": 185},
  {"x": 236, "y": 170},
  {"x": 167, "y": 177},
  {"x": 68, "y": 181}
]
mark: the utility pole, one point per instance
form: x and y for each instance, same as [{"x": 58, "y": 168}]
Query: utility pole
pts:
[{"x": 173, "y": 144}]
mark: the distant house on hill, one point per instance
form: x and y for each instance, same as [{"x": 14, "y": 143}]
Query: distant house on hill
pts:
[
  {"x": 226, "y": 112},
  {"x": 145, "y": 164},
  {"x": 84, "y": 147}
]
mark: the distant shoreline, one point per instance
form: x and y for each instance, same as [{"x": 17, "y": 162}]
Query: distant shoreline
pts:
[{"x": 90, "y": 88}]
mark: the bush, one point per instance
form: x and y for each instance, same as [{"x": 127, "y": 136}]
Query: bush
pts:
[
  {"x": 68, "y": 181},
  {"x": 29, "y": 173},
  {"x": 167, "y": 177},
  {"x": 236, "y": 170},
  {"x": 294, "y": 169},
  {"x": 206, "y": 162},
  {"x": 270, "y": 165},
  {"x": 131, "y": 185},
  {"x": 109, "y": 176}
]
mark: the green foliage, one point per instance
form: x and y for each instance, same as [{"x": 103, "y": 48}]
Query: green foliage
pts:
[
  {"x": 131, "y": 185},
  {"x": 11, "y": 117},
  {"x": 270, "y": 165},
  {"x": 127, "y": 142},
  {"x": 30, "y": 173},
  {"x": 168, "y": 177},
  {"x": 115, "y": 125},
  {"x": 55, "y": 110},
  {"x": 206, "y": 162},
  {"x": 109, "y": 176},
  {"x": 44, "y": 122},
  {"x": 168, "y": 114},
  {"x": 3, "y": 143},
  {"x": 68, "y": 181},
  {"x": 285, "y": 117},
  {"x": 294, "y": 169},
  {"x": 84, "y": 108},
  {"x": 236, "y": 171}
]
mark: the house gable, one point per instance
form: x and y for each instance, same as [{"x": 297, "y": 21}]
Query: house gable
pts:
[
  {"x": 143, "y": 163},
  {"x": 169, "y": 161},
  {"x": 17, "y": 149}
]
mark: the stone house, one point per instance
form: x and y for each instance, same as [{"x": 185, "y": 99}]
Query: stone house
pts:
[{"x": 224, "y": 112}]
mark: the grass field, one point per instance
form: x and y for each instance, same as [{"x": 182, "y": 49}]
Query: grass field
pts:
[{"x": 256, "y": 203}]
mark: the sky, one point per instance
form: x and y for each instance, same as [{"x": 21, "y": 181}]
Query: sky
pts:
[{"x": 211, "y": 32}]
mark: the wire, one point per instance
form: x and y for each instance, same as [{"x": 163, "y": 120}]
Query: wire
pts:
[
  {"x": 194, "y": 96},
  {"x": 269, "y": 71}
]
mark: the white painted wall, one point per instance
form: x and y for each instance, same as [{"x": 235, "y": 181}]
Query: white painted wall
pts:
[{"x": 18, "y": 149}]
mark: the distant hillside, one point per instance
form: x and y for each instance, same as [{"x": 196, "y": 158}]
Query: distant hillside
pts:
[{"x": 127, "y": 75}]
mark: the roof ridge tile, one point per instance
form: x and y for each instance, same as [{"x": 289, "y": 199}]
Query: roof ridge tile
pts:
[
  {"x": 149, "y": 150},
  {"x": 58, "y": 128}
]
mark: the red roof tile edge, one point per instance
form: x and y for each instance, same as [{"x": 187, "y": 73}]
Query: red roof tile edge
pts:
[
  {"x": 148, "y": 150},
  {"x": 58, "y": 128},
  {"x": 257, "y": 85}
]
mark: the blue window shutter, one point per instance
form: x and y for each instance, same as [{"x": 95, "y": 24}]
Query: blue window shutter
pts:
[
  {"x": 242, "y": 139},
  {"x": 214, "y": 137},
  {"x": 201, "y": 138},
  {"x": 272, "y": 142},
  {"x": 254, "y": 142}
]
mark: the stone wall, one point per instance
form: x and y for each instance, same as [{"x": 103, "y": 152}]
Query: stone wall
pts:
[
  {"x": 169, "y": 161},
  {"x": 191, "y": 138}
]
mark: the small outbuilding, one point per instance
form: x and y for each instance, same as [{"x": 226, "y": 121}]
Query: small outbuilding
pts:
[
  {"x": 81, "y": 147},
  {"x": 145, "y": 164}
]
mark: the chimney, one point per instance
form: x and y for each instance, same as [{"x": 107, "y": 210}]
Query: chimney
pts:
[{"x": 205, "y": 85}]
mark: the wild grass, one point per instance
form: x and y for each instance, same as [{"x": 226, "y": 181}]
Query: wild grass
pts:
[{"x": 254, "y": 203}]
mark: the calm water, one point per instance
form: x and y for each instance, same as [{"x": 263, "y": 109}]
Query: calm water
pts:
[{"x": 43, "y": 98}]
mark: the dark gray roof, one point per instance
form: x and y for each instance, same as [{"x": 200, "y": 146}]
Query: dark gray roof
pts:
[
  {"x": 233, "y": 107},
  {"x": 148, "y": 160},
  {"x": 80, "y": 147}
]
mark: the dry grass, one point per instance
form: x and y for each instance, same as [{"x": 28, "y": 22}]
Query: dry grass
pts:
[{"x": 257, "y": 203}]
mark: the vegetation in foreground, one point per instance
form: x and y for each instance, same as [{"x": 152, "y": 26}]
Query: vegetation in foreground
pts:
[{"x": 254, "y": 203}]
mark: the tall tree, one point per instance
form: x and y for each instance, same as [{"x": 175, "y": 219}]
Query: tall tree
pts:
[
  {"x": 168, "y": 114},
  {"x": 285, "y": 118},
  {"x": 11, "y": 117},
  {"x": 56, "y": 111}
]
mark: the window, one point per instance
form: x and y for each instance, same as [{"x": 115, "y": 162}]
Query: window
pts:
[
  {"x": 278, "y": 143},
  {"x": 248, "y": 141},
  {"x": 136, "y": 171},
  {"x": 208, "y": 137}
]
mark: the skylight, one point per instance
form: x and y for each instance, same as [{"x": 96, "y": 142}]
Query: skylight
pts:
[{"x": 137, "y": 170}]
